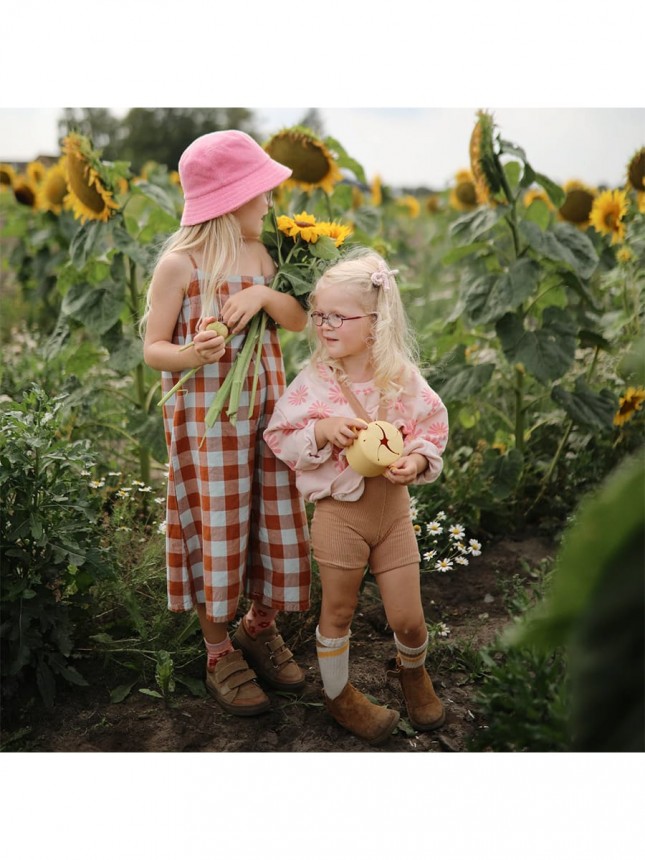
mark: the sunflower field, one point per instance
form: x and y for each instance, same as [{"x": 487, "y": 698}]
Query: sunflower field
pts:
[{"x": 526, "y": 298}]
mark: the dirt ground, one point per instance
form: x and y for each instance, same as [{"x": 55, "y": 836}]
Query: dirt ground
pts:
[{"x": 470, "y": 601}]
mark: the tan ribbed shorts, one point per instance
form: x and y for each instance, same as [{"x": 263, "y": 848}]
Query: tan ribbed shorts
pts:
[{"x": 376, "y": 529}]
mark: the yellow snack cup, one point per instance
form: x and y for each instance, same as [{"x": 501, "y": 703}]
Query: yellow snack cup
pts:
[{"x": 377, "y": 446}]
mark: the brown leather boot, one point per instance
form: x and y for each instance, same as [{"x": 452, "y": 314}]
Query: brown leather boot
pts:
[
  {"x": 425, "y": 709},
  {"x": 270, "y": 658},
  {"x": 354, "y": 711},
  {"x": 235, "y": 686}
]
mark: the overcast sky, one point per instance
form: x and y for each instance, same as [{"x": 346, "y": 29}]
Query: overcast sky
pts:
[{"x": 418, "y": 146}]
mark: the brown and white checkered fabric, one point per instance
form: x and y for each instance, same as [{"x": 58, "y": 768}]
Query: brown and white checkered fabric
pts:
[{"x": 235, "y": 522}]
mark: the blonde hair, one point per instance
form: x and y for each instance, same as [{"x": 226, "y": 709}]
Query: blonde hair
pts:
[
  {"x": 392, "y": 345},
  {"x": 221, "y": 240}
]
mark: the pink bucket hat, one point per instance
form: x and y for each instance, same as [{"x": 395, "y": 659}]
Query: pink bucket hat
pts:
[{"x": 221, "y": 171}]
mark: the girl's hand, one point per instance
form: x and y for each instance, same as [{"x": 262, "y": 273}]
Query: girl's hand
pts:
[
  {"x": 208, "y": 345},
  {"x": 338, "y": 430},
  {"x": 239, "y": 309},
  {"x": 406, "y": 469}
]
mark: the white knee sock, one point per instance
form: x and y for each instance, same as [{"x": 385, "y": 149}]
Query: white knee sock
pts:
[
  {"x": 411, "y": 658},
  {"x": 333, "y": 659}
]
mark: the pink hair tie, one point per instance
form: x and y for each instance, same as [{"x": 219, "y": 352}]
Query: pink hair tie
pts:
[{"x": 381, "y": 278}]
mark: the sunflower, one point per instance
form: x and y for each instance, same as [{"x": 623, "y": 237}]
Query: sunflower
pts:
[
  {"x": 36, "y": 171},
  {"x": 433, "y": 204},
  {"x": 537, "y": 194},
  {"x": 337, "y": 232},
  {"x": 312, "y": 163},
  {"x": 607, "y": 214},
  {"x": 483, "y": 160},
  {"x": 628, "y": 405},
  {"x": 25, "y": 191},
  {"x": 301, "y": 225},
  {"x": 636, "y": 171},
  {"x": 7, "y": 175},
  {"x": 624, "y": 255},
  {"x": 463, "y": 195},
  {"x": 577, "y": 204},
  {"x": 376, "y": 189},
  {"x": 53, "y": 188},
  {"x": 411, "y": 204},
  {"x": 88, "y": 196}
]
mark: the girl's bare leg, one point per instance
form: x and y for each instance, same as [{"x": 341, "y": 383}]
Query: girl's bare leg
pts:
[
  {"x": 340, "y": 589},
  {"x": 401, "y": 595},
  {"x": 212, "y": 631}
]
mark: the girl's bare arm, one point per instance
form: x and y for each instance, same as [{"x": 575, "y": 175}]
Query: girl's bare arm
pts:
[{"x": 166, "y": 298}]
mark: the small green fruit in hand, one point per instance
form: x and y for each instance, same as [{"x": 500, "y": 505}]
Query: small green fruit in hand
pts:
[{"x": 218, "y": 327}]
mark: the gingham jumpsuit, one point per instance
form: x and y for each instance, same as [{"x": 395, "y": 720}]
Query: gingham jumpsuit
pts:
[{"x": 235, "y": 521}]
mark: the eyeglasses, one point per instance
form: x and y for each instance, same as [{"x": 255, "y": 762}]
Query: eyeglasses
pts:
[{"x": 334, "y": 320}]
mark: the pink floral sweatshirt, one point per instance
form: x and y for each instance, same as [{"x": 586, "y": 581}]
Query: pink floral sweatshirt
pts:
[{"x": 314, "y": 394}]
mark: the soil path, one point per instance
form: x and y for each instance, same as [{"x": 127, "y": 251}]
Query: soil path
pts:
[{"x": 470, "y": 601}]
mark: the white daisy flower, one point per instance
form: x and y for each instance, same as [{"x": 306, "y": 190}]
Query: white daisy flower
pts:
[
  {"x": 427, "y": 556},
  {"x": 443, "y": 564},
  {"x": 161, "y": 528},
  {"x": 461, "y": 560},
  {"x": 159, "y": 500},
  {"x": 475, "y": 547},
  {"x": 443, "y": 629},
  {"x": 461, "y": 546},
  {"x": 441, "y": 515},
  {"x": 434, "y": 528},
  {"x": 456, "y": 532},
  {"x": 96, "y": 485},
  {"x": 85, "y": 473},
  {"x": 144, "y": 489}
]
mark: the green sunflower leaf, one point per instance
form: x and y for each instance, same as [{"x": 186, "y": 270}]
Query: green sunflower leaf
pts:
[
  {"x": 546, "y": 353},
  {"x": 564, "y": 243},
  {"x": 586, "y": 407}
]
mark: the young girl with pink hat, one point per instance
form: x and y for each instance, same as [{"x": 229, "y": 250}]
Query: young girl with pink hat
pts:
[{"x": 235, "y": 523}]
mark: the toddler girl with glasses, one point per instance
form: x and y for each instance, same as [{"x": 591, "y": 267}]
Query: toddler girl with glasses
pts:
[{"x": 363, "y": 368}]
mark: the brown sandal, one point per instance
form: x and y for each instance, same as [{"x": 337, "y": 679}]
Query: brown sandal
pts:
[
  {"x": 235, "y": 686},
  {"x": 270, "y": 658}
]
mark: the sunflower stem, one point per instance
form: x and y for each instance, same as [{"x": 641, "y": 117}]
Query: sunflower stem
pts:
[
  {"x": 241, "y": 368},
  {"x": 258, "y": 358}
]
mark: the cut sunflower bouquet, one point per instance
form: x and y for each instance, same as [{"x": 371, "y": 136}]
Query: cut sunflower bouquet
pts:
[{"x": 301, "y": 248}]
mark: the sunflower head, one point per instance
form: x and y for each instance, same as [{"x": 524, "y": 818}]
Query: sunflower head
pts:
[
  {"x": 312, "y": 163},
  {"x": 577, "y": 204},
  {"x": 53, "y": 189},
  {"x": 483, "y": 160},
  {"x": 376, "y": 191},
  {"x": 537, "y": 194},
  {"x": 463, "y": 194},
  {"x": 90, "y": 195},
  {"x": 303, "y": 225},
  {"x": 411, "y": 204},
  {"x": 607, "y": 214},
  {"x": 628, "y": 405},
  {"x": 636, "y": 170},
  {"x": 25, "y": 191},
  {"x": 624, "y": 255},
  {"x": 337, "y": 232},
  {"x": 36, "y": 171},
  {"x": 7, "y": 176},
  {"x": 433, "y": 204}
]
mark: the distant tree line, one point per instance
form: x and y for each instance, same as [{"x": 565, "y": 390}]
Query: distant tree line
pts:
[{"x": 151, "y": 134}]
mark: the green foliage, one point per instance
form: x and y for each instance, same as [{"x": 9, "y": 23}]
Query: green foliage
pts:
[
  {"x": 595, "y": 608},
  {"x": 50, "y": 542}
]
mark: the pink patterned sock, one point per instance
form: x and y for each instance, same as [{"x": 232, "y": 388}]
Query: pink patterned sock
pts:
[
  {"x": 258, "y": 618},
  {"x": 216, "y": 652}
]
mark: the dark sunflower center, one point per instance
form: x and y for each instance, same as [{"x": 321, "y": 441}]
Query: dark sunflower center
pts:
[
  {"x": 25, "y": 195},
  {"x": 465, "y": 192},
  {"x": 577, "y": 206},
  {"x": 305, "y": 158}
]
